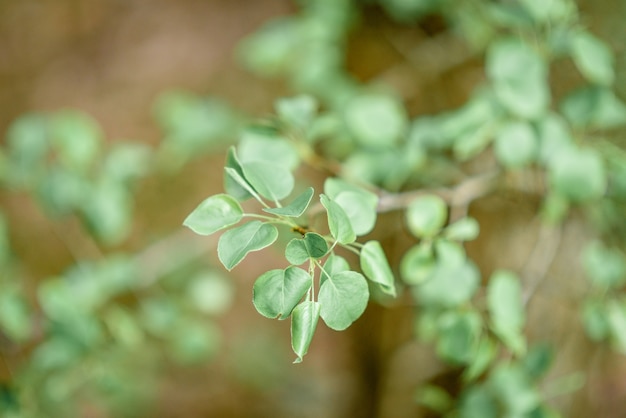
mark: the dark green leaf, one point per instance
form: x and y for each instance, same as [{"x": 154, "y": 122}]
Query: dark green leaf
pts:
[
  {"x": 538, "y": 360},
  {"x": 338, "y": 222},
  {"x": 343, "y": 298},
  {"x": 457, "y": 336},
  {"x": 215, "y": 213},
  {"x": 376, "y": 267},
  {"x": 236, "y": 243},
  {"x": 277, "y": 292},
  {"x": 303, "y": 323},
  {"x": 315, "y": 244},
  {"x": 296, "y": 208},
  {"x": 594, "y": 107}
]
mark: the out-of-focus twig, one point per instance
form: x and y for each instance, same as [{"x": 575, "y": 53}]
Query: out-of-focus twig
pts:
[{"x": 540, "y": 259}]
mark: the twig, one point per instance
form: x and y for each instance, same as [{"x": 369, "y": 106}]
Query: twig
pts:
[{"x": 540, "y": 259}]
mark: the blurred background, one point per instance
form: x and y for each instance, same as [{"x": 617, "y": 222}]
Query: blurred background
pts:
[{"x": 191, "y": 343}]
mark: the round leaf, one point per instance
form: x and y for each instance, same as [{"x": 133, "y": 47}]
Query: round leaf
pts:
[
  {"x": 516, "y": 145},
  {"x": 316, "y": 245},
  {"x": 426, "y": 216},
  {"x": 593, "y": 58},
  {"x": 296, "y": 252},
  {"x": 338, "y": 222},
  {"x": 215, "y": 213},
  {"x": 236, "y": 243},
  {"x": 272, "y": 181},
  {"x": 343, "y": 298},
  {"x": 361, "y": 210},
  {"x": 277, "y": 292},
  {"x": 375, "y": 120},
  {"x": 376, "y": 267},
  {"x": 465, "y": 229},
  {"x": 417, "y": 264},
  {"x": 449, "y": 285},
  {"x": 578, "y": 174}
]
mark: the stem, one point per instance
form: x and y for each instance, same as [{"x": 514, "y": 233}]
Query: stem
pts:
[{"x": 312, "y": 274}]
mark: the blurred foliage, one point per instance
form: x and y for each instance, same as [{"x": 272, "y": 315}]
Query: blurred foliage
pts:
[{"x": 94, "y": 336}]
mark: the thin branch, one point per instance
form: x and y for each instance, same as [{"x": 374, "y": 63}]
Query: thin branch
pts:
[{"x": 540, "y": 259}]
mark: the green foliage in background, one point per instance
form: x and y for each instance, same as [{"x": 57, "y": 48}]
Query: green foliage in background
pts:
[{"x": 82, "y": 331}]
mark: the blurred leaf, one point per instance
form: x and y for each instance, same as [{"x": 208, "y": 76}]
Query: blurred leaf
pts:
[
  {"x": 426, "y": 215},
  {"x": 504, "y": 301},
  {"x": 5, "y": 244},
  {"x": 593, "y": 58},
  {"x": 519, "y": 77},
  {"x": 269, "y": 50},
  {"x": 123, "y": 326},
  {"x": 538, "y": 360},
  {"x": 214, "y": 213},
  {"x": 554, "y": 136},
  {"x": 595, "y": 319},
  {"x": 476, "y": 401},
  {"x": 256, "y": 146},
  {"x": 193, "y": 342},
  {"x": 77, "y": 138},
  {"x": 375, "y": 120},
  {"x": 343, "y": 298},
  {"x": 376, "y": 267},
  {"x": 277, "y": 292},
  {"x": 605, "y": 267},
  {"x": 516, "y": 145},
  {"x": 338, "y": 222},
  {"x": 465, "y": 229},
  {"x": 16, "y": 319},
  {"x": 303, "y": 323},
  {"x": 449, "y": 252},
  {"x": 457, "y": 336},
  {"x": 551, "y": 10},
  {"x": 482, "y": 358},
  {"x": 272, "y": 181},
  {"x": 514, "y": 390},
  {"x": 62, "y": 191},
  {"x": 127, "y": 161},
  {"x": 616, "y": 320},
  {"x": 296, "y": 208},
  {"x": 593, "y": 107},
  {"x": 449, "y": 285},
  {"x": 297, "y": 112},
  {"x": 417, "y": 264},
  {"x": 434, "y": 398},
  {"x": 236, "y": 243},
  {"x": 211, "y": 293},
  {"x": 28, "y": 143},
  {"x": 578, "y": 174},
  {"x": 108, "y": 211}
]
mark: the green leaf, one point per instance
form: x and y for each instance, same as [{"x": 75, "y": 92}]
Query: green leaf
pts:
[
  {"x": 578, "y": 174},
  {"x": 360, "y": 209},
  {"x": 457, "y": 335},
  {"x": 514, "y": 390},
  {"x": 516, "y": 145},
  {"x": 127, "y": 161},
  {"x": 296, "y": 252},
  {"x": 16, "y": 320},
  {"x": 417, "y": 264},
  {"x": 259, "y": 146},
  {"x": 77, "y": 138},
  {"x": 594, "y": 107},
  {"x": 276, "y": 292},
  {"x": 482, "y": 358},
  {"x": 211, "y": 293},
  {"x": 476, "y": 402},
  {"x": 426, "y": 215},
  {"x": 519, "y": 77},
  {"x": 297, "y": 112},
  {"x": 272, "y": 181},
  {"x": 315, "y": 244},
  {"x": 554, "y": 136},
  {"x": 593, "y": 58},
  {"x": 504, "y": 301},
  {"x": 338, "y": 222},
  {"x": 376, "y": 267},
  {"x": 303, "y": 323},
  {"x": 334, "y": 264},
  {"x": 375, "y": 120},
  {"x": 465, "y": 229},
  {"x": 108, "y": 211},
  {"x": 215, "y": 213},
  {"x": 616, "y": 320},
  {"x": 449, "y": 252},
  {"x": 595, "y": 320},
  {"x": 296, "y": 208},
  {"x": 236, "y": 243},
  {"x": 234, "y": 182},
  {"x": 434, "y": 398},
  {"x": 538, "y": 361},
  {"x": 343, "y": 298},
  {"x": 449, "y": 285},
  {"x": 333, "y": 186},
  {"x": 606, "y": 267}
]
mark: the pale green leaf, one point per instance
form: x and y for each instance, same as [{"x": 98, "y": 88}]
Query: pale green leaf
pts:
[
  {"x": 259, "y": 146},
  {"x": 272, "y": 181},
  {"x": 211, "y": 293},
  {"x": 276, "y": 292},
  {"x": 417, "y": 264},
  {"x": 343, "y": 298},
  {"x": 482, "y": 358},
  {"x": 434, "y": 398},
  {"x": 338, "y": 222},
  {"x": 77, "y": 138},
  {"x": 516, "y": 145},
  {"x": 504, "y": 302},
  {"x": 605, "y": 266},
  {"x": 449, "y": 285},
  {"x": 16, "y": 320},
  {"x": 457, "y": 335},
  {"x": 296, "y": 252},
  {"x": 376, "y": 267},
  {"x": 554, "y": 136},
  {"x": 334, "y": 264},
  {"x": 296, "y": 208},
  {"x": 514, "y": 390},
  {"x": 215, "y": 213},
  {"x": 465, "y": 229},
  {"x": 375, "y": 120},
  {"x": 578, "y": 174},
  {"x": 236, "y": 243},
  {"x": 595, "y": 319},
  {"x": 297, "y": 112},
  {"x": 594, "y": 107},
  {"x": 426, "y": 215},
  {"x": 616, "y": 320},
  {"x": 593, "y": 58},
  {"x": 303, "y": 323},
  {"x": 360, "y": 209},
  {"x": 234, "y": 182}
]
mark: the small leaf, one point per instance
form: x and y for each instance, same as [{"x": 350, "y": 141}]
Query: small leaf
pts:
[
  {"x": 594, "y": 107},
  {"x": 277, "y": 292},
  {"x": 595, "y": 320},
  {"x": 338, "y": 222},
  {"x": 435, "y": 398},
  {"x": 77, "y": 138},
  {"x": 375, "y": 120},
  {"x": 297, "y": 112},
  {"x": 426, "y": 215},
  {"x": 272, "y": 181},
  {"x": 504, "y": 301},
  {"x": 236, "y": 243},
  {"x": 554, "y": 136},
  {"x": 616, "y": 320},
  {"x": 303, "y": 323},
  {"x": 449, "y": 285},
  {"x": 606, "y": 267},
  {"x": 376, "y": 267},
  {"x": 315, "y": 244},
  {"x": 465, "y": 229},
  {"x": 215, "y": 213},
  {"x": 578, "y": 174},
  {"x": 296, "y": 208},
  {"x": 484, "y": 354},
  {"x": 457, "y": 335},
  {"x": 296, "y": 252},
  {"x": 234, "y": 182},
  {"x": 593, "y": 58},
  {"x": 417, "y": 264},
  {"x": 343, "y": 298},
  {"x": 516, "y": 145},
  {"x": 538, "y": 360}
]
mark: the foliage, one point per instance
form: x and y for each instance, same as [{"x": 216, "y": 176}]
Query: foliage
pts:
[{"x": 378, "y": 158}]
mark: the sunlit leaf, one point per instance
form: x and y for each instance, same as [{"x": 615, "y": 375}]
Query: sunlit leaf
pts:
[
  {"x": 277, "y": 292},
  {"x": 343, "y": 298},
  {"x": 296, "y": 208},
  {"x": 338, "y": 222},
  {"x": 234, "y": 182},
  {"x": 259, "y": 146},
  {"x": 272, "y": 181},
  {"x": 236, "y": 243},
  {"x": 215, "y": 213}
]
